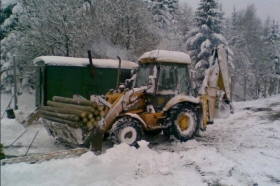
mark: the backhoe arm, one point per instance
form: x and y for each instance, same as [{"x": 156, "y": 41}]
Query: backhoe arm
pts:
[{"x": 216, "y": 85}]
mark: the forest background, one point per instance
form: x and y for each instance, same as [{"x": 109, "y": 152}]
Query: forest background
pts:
[{"x": 128, "y": 28}]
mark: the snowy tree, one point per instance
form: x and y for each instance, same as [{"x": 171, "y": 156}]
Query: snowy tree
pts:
[
  {"x": 127, "y": 25},
  {"x": 180, "y": 24},
  {"x": 250, "y": 50},
  {"x": 184, "y": 23},
  {"x": 273, "y": 40},
  {"x": 271, "y": 47},
  {"x": 53, "y": 27},
  {"x": 48, "y": 27},
  {"x": 250, "y": 43},
  {"x": 207, "y": 35},
  {"x": 186, "y": 20},
  {"x": 162, "y": 16},
  {"x": 235, "y": 40},
  {"x": 7, "y": 18},
  {"x": 10, "y": 12},
  {"x": 166, "y": 14}
]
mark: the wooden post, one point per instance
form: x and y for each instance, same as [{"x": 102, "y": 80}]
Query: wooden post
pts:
[
  {"x": 245, "y": 86},
  {"x": 265, "y": 87},
  {"x": 91, "y": 67},
  {"x": 15, "y": 84},
  {"x": 279, "y": 86},
  {"x": 231, "y": 87}
]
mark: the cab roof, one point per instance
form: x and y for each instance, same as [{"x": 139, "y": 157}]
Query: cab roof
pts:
[{"x": 165, "y": 56}]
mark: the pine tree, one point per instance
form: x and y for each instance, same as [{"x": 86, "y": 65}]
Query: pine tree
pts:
[
  {"x": 127, "y": 26},
  {"x": 206, "y": 35},
  {"x": 235, "y": 42},
  {"x": 181, "y": 26},
  {"x": 10, "y": 12},
  {"x": 161, "y": 14},
  {"x": 272, "y": 47},
  {"x": 168, "y": 17},
  {"x": 273, "y": 41},
  {"x": 43, "y": 28},
  {"x": 7, "y": 19}
]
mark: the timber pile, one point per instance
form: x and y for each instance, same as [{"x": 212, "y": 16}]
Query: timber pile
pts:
[{"x": 76, "y": 114}]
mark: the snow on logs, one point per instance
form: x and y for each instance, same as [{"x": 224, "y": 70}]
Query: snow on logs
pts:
[{"x": 84, "y": 114}]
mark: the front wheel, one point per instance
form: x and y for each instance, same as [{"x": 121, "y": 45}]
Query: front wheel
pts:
[
  {"x": 126, "y": 130},
  {"x": 184, "y": 122}
]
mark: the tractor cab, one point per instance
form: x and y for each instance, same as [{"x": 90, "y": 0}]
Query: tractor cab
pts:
[{"x": 166, "y": 74}]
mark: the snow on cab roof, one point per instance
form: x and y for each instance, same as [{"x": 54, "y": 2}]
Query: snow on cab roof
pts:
[
  {"x": 165, "y": 56},
  {"x": 73, "y": 61}
]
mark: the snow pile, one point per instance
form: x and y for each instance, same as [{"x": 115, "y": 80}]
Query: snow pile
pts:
[
  {"x": 121, "y": 165},
  {"x": 26, "y": 104},
  {"x": 240, "y": 150}
]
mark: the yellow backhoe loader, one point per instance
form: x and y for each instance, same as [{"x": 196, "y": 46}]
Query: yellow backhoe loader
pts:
[{"x": 158, "y": 97}]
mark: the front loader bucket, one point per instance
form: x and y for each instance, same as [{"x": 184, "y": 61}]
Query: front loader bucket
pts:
[
  {"x": 76, "y": 136},
  {"x": 75, "y": 121}
]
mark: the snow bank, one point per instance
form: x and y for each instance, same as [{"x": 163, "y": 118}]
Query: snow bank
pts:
[
  {"x": 241, "y": 150},
  {"x": 121, "y": 165}
]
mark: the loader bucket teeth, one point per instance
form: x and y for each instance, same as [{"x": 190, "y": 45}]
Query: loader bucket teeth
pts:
[{"x": 96, "y": 141}]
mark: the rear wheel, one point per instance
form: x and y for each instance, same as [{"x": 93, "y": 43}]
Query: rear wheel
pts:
[
  {"x": 126, "y": 130},
  {"x": 184, "y": 122}
]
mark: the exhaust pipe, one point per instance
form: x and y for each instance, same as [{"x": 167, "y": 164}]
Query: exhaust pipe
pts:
[
  {"x": 91, "y": 67},
  {"x": 119, "y": 73}
]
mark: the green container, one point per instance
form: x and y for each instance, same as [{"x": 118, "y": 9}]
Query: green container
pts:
[{"x": 66, "y": 76}]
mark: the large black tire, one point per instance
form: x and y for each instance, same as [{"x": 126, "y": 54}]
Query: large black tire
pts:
[
  {"x": 184, "y": 122},
  {"x": 126, "y": 130}
]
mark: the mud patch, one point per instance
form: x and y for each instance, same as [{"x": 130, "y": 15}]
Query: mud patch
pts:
[
  {"x": 260, "y": 109},
  {"x": 273, "y": 179},
  {"x": 274, "y": 104},
  {"x": 216, "y": 183},
  {"x": 274, "y": 116}
]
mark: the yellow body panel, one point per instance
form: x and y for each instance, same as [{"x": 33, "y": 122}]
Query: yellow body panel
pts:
[
  {"x": 152, "y": 119},
  {"x": 204, "y": 113}
]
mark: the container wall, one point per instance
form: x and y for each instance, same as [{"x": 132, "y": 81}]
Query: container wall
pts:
[{"x": 66, "y": 81}]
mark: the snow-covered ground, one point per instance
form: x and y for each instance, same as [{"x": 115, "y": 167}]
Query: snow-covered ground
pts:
[{"x": 241, "y": 150}]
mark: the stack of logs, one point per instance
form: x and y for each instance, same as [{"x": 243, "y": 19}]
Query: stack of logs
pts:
[{"x": 76, "y": 114}]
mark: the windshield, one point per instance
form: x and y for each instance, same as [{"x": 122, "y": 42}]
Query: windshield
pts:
[
  {"x": 184, "y": 80},
  {"x": 143, "y": 75},
  {"x": 167, "y": 78},
  {"x": 174, "y": 79}
]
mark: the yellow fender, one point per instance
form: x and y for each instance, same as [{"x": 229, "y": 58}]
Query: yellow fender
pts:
[{"x": 180, "y": 98}]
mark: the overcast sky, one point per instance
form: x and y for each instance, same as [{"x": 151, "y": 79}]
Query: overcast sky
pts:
[{"x": 264, "y": 8}]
